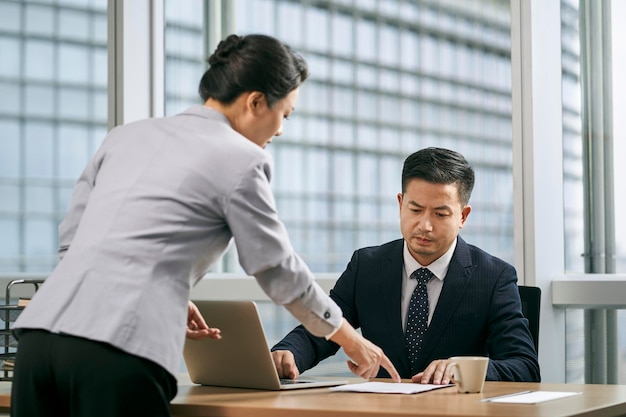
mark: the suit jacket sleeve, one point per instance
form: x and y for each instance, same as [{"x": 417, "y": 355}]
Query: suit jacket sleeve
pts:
[
  {"x": 509, "y": 343},
  {"x": 265, "y": 251},
  {"x": 309, "y": 350}
]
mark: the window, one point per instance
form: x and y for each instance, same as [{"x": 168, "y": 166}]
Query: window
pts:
[
  {"x": 383, "y": 84},
  {"x": 586, "y": 184},
  {"x": 53, "y": 89}
]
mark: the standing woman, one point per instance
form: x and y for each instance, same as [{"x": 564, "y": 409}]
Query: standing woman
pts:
[{"x": 156, "y": 206}]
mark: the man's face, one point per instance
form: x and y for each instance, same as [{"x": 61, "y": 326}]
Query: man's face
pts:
[{"x": 431, "y": 216}]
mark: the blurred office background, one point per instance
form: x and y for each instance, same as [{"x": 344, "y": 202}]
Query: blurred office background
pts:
[{"x": 387, "y": 77}]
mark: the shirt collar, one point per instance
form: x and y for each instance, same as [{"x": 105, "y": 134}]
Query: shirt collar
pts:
[{"x": 439, "y": 267}]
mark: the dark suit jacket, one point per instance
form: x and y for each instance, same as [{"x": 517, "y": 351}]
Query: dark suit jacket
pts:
[{"x": 478, "y": 313}]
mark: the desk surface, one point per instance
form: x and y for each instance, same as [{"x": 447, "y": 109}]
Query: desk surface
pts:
[
  {"x": 193, "y": 400},
  {"x": 595, "y": 401}
]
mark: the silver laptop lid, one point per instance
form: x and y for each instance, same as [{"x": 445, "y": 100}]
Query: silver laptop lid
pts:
[{"x": 241, "y": 358}]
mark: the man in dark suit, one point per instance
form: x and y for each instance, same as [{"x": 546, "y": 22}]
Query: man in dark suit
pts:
[{"x": 473, "y": 305}]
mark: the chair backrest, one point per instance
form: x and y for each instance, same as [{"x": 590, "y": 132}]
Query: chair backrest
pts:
[{"x": 531, "y": 305}]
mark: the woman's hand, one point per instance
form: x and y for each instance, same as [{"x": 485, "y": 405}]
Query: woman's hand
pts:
[
  {"x": 197, "y": 327},
  {"x": 366, "y": 357}
]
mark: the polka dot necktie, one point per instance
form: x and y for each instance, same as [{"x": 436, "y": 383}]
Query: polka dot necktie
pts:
[{"x": 417, "y": 317}]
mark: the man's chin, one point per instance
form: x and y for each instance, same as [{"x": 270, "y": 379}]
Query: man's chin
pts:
[{"x": 421, "y": 254}]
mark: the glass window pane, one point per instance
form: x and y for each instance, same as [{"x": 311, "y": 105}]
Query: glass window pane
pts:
[
  {"x": 366, "y": 40},
  {"x": 39, "y": 200},
  {"x": 80, "y": 3},
  {"x": 11, "y": 100},
  {"x": 10, "y": 52},
  {"x": 367, "y": 136},
  {"x": 257, "y": 15},
  {"x": 343, "y": 171},
  {"x": 367, "y": 105},
  {"x": 287, "y": 14},
  {"x": 39, "y": 151},
  {"x": 317, "y": 29},
  {"x": 9, "y": 198},
  {"x": 73, "y": 150},
  {"x": 342, "y": 133},
  {"x": 388, "y": 45},
  {"x": 39, "y": 238},
  {"x": 74, "y": 103},
  {"x": 342, "y": 71},
  {"x": 288, "y": 176},
  {"x": 184, "y": 42},
  {"x": 73, "y": 63},
  {"x": 409, "y": 45},
  {"x": 344, "y": 211},
  {"x": 74, "y": 24},
  {"x": 39, "y": 20},
  {"x": 40, "y": 243},
  {"x": 320, "y": 130},
  {"x": 10, "y": 16},
  {"x": 99, "y": 103},
  {"x": 389, "y": 111},
  {"x": 99, "y": 62},
  {"x": 99, "y": 24},
  {"x": 9, "y": 239},
  {"x": 317, "y": 168},
  {"x": 342, "y": 103},
  {"x": 64, "y": 195},
  {"x": 367, "y": 76},
  {"x": 390, "y": 140},
  {"x": 40, "y": 100},
  {"x": 368, "y": 175},
  {"x": 39, "y": 60},
  {"x": 9, "y": 149},
  {"x": 343, "y": 38}
]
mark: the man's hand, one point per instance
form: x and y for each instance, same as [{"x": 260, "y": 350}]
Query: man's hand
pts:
[
  {"x": 285, "y": 364},
  {"x": 438, "y": 372},
  {"x": 197, "y": 327},
  {"x": 366, "y": 357}
]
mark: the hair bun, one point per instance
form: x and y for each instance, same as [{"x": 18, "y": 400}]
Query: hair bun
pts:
[{"x": 224, "y": 49}]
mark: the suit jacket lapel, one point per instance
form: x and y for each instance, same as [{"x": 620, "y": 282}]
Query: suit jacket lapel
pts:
[
  {"x": 390, "y": 276},
  {"x": 454, "y": 285}
]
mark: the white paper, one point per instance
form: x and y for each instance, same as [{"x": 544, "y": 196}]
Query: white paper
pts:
[
  {"x": 389, "y": 387},
  {"x": 532, "y": 397}
]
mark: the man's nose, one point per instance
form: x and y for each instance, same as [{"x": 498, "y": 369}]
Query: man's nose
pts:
[{"x": 425, "y": 224}]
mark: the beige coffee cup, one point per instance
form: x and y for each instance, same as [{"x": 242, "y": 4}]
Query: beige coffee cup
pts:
[{"x": 469, "y": 372}]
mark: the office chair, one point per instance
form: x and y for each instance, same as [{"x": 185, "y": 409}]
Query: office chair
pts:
[{"x": 531, "y": 305}]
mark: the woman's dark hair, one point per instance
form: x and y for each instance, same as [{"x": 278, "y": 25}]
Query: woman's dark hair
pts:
[
  {"x": 440, "y": 166},
  {"x": 252, "y": 63}
]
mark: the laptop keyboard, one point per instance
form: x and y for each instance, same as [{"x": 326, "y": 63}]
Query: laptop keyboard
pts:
[{"x": 285, "y": 381}]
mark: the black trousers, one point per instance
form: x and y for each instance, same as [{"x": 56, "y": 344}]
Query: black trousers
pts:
[{"x": 60, "y": 375}]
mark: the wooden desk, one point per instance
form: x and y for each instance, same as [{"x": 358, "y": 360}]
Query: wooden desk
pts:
[
  {"x": 193, "y": 400},
  {"x": 595, "y": 401}
]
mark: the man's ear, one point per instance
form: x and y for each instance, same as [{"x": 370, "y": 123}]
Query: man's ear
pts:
[
  {"x": 465, "y": 211},
  {"x": 256, "y": 101}
]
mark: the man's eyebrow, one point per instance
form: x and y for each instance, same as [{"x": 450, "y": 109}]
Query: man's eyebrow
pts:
[{"x": 416, "y": 204}]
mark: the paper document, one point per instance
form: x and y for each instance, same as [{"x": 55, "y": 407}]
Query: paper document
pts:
[
  {"x": 530, "y": 397},
  {"x": 389, "y": 387}
]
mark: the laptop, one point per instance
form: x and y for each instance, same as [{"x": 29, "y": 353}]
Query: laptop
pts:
[{"x": 241, "y": 358}]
